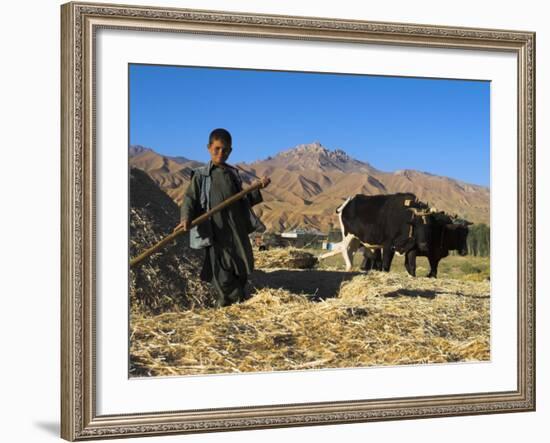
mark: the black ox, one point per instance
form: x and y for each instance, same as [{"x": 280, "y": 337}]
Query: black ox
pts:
[
  {"x": 447, "y": 234},
  {"x": 390, "y": 223}
]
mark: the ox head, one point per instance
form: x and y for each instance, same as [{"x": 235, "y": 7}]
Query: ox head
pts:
[
  {"x": 421, "y": 228},
  {"x": 459, "y": 229},
  {"x": 461, "y": 221}
]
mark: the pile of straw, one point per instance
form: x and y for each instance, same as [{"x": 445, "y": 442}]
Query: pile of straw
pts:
[
  {"x": 376, "y": 319},
  {"x": 289, "y": 258},
  {"x": 169, "y": 279}
]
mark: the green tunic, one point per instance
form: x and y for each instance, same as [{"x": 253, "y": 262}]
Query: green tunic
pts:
[{"x": 230, "y": 259}]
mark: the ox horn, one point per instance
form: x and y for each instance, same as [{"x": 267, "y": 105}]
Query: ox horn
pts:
[{"x": 419, "y": 213}]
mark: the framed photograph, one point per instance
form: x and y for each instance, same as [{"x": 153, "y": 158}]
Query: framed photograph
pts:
[{"x": 275, "y": 221}]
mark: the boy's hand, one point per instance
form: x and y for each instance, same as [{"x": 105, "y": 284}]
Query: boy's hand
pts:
[
  {"x": 184, "y": 225},
  {"x": 265, "y": 181}
]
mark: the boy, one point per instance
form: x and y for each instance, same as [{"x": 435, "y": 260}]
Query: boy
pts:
[{"x": 224, "y": 236}]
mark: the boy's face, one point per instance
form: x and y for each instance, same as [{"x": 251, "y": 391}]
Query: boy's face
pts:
[{"x": 219, "y": 152}]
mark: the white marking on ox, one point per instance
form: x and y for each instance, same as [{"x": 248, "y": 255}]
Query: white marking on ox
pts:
[
  {"x": 339, "y": 211},
  {"x": 350, "y": 243}
]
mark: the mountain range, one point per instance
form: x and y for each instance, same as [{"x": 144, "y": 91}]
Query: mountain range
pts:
[{"x": 309, "y": 181}]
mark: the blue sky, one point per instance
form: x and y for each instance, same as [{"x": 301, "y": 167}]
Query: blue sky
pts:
[{"x": 433, "y": 125}]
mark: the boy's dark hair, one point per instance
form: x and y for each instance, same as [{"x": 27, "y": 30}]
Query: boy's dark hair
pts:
[{"x": 220, "y": 134}]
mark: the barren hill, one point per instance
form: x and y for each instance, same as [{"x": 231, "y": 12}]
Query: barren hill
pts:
[
  {"x": 309, "y": 181},
  {"x": 172, "y": 174}
]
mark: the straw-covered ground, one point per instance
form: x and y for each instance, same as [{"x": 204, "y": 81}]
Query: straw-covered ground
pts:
[{"x": 319, "y": 318}]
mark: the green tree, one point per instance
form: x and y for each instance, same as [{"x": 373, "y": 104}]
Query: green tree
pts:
[{"x": 479, "y": 240}]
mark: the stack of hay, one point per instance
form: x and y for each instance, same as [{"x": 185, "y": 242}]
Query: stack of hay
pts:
[
  {"x": 377, "y": 319},
  {"x": 169, "y": 279},
  {"x": 289, "y": 258}
]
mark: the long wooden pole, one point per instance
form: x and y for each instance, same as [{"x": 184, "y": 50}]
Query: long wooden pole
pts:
[{"x": 197, "y": 221}]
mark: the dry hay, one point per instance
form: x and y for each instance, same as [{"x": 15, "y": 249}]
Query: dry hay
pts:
[
  {"x": 168, "y": 282},
  {"x": 377, "y": 319},
  {"x": 168, "y": 279},
  {"x": 289, "y": 258}
]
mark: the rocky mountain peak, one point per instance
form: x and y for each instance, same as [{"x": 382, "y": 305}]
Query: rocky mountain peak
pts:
[
  {"x": 341, "y": 155},
  {"x": 305, "y": 149},
  {"x": 316, "y": 156},
  {"x": 138, "y": 149}
]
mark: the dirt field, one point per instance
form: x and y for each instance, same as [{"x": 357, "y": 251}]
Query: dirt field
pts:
[{"x": 325, "y": 318}]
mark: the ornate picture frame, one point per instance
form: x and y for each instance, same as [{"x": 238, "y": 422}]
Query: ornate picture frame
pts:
[{"x": 80, "y": 23}]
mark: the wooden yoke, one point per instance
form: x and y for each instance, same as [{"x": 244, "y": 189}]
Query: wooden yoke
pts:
[{"x": 202, "y": 218}]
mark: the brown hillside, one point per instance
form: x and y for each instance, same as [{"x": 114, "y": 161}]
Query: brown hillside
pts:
[{"x": 310, "y": 181}]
